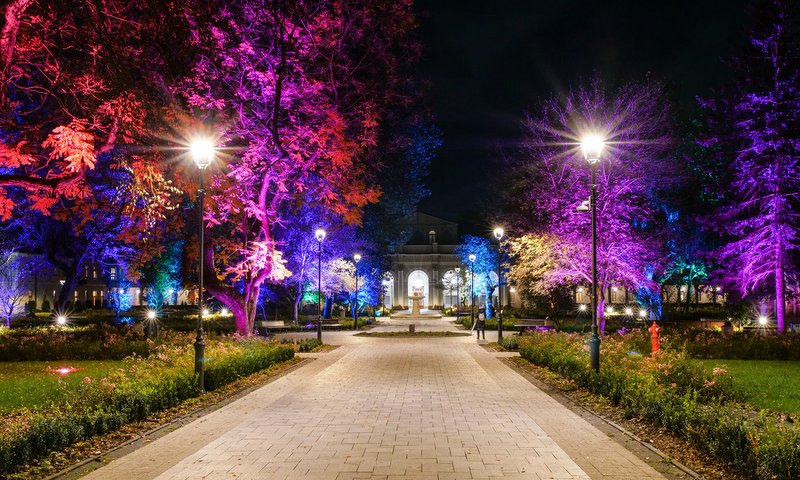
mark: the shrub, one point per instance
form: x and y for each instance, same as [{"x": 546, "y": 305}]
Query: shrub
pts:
[
  {"x": 672, "y": 391},
  {"x": 748, "y": 345},
  {"x": 147, "y": 385},
  {"x": 96, "y": 342},
  {"x": 309, "y": 344},
  {"x": 510, "y": 342}
]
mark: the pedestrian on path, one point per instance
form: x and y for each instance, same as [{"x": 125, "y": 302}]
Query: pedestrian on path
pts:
[{"x": 480, "y": 324}]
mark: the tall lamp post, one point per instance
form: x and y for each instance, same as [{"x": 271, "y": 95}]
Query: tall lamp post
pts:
[
  {"x": 356, "y": 258},
  {"x": 472, "y": 258},
  {"x": 498, "y": 234},
  {"x": 458, "y": 294},
  {"x": 592, "y": 146},
  {"x": 320, "y": 235},
  {"x": 203, "y": 153}
]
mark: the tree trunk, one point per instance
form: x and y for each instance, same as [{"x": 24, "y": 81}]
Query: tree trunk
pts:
[
  {"x": 489, "y": 305},
  {"x": 296, "y": 306},
  {"x": 780, "y": 305},
  {"x": 601, "y": 313}
]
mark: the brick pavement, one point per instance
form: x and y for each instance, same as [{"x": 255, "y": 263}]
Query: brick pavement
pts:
[{"x": 388, "y": 408}]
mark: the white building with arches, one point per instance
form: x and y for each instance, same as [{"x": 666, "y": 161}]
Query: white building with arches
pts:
[{"x": 421, "y": 264}]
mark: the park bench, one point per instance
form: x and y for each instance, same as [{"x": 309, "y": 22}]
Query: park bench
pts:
[
  {"x": 264, "y": 328},
  {"x": 525, "y": 324}
]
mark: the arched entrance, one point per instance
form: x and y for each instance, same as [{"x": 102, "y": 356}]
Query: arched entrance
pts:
[{"x": 418, "y": 282}]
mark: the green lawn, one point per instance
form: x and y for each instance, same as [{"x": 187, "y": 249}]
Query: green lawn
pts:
[
  {"x": 31, "y": 384},
  {"x": 764, "y": 383}
]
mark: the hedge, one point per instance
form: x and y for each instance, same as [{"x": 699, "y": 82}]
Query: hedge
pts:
[
  {"x": 148, "y": 385},
  {"x": 677, "y": 394}
]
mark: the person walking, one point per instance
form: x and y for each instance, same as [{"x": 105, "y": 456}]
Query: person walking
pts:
[{"x": 480, "y": 323}]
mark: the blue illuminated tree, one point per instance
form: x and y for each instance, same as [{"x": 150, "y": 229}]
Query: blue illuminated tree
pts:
[{"x": 485, "y": 266}]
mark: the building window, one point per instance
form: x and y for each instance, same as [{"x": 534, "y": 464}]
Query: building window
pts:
[{"x": 113, "y": 274}]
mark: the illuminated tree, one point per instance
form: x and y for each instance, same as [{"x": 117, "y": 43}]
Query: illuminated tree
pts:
[
  {"x": 485, "y": 267},
  {"x": 301, "y": 88},
  {"x": 532, "y": 260},
  {"x": 757, "y": 140},
  {"x": 14, "y": 268},
  {"x": 554, "y": 179}
]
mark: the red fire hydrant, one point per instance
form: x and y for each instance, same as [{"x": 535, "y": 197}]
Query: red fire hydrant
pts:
[{"x": 654, "y": 330}]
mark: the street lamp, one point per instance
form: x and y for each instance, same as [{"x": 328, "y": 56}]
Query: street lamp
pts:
[
  {"x": 592, "y": 147},
  {"x": 356, "y": 258},
  {"x": 203, "y": 151},
  {"x": 498, "y": 234},
  {"x": 458, "y": 294},
  {"x": 472, "y": 258},
  {"x": 320, "y": 235}
]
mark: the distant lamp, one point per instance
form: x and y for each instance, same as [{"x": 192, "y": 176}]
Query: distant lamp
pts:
[
  {"x": 762, "y": 320},
  {"x": 206, "y": 312},
  {"x": 224, "y": 312},
  {"x": 62, "y": 282},
  {"x": 472, "y": 258},
  {"x": 609, "y": 311},
  {"x": 718, "y": 289},
  {"x": 592, "y": 146},
  {"x": 320, "y": 235},
  {"x": 357, "y": 257},
  {"x": 151, "y": 315},
  {"x": 629, "y": 311},
  {"x": 121, "y": 290},
  {"x": 61, "y": 320},
  {"x": 582, "y": 307},
  {"x": 202, "y": 152},
  {"x": 584, "y": 206},
  {"x": 642, "y": 313},
  {"x": 498, "y": 233}
]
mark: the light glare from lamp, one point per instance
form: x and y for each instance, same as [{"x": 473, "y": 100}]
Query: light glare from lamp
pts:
[
  {"x": 202, "y": 152},
  {"x": 592, "y": 147},
  {"x": 320, "y": 234}
]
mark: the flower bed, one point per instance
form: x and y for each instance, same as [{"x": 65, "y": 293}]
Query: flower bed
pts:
[
  {"x": 146, "y": 385},
  {"x": 672, "y": 391}
]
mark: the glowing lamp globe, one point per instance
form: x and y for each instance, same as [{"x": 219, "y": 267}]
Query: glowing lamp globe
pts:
[
  {"x": 498, "y": 233},
  {"x": 320, "y": 234},
  {"x": 151, "y": 314},
  {"x": 610, "y": 311},
  {"x": 472, "y": 257},
  {"x": 582, "y": 307},
  {"x": 592, "y": 147},
  {"x": 61, "y": 320},
  {"x": 762, "y": 320},
  {"x": 224, "y": 312},
  {"x": 642, "y": 313},
  {"x": 357, "y": 257},
  {"x": 628, "y": 311},
  {"x": 202, "y": 152},
  {"x": 206, "y": 312}
]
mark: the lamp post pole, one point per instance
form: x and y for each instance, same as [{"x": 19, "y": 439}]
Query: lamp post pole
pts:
[
  {"x": 357, "y": 258},
  {"x": 203, "y": 153},
  {"x": 320, "y": 235},
  {"x": 472, "y": 289},
  {"x": 498, "y": 234},
  {"x": 458, "y": 294},
  {"x": 594, "y": 341},
  {"x": 592, "y": 147}
]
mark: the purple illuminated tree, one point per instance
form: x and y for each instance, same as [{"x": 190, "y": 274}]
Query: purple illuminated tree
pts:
[
  {"x": 756, "y": 138},
  {"x": 555, "y": 179},
  {"x": 14, "y": 268}
]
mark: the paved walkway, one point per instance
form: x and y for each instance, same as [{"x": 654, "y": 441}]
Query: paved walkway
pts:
[{"x": 388, "y": 408}]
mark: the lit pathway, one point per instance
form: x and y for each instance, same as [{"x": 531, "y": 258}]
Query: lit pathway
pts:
[{"x": 388, "y": 408}]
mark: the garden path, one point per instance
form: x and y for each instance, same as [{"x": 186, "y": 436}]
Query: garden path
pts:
[{"x": 388, "y": 408}]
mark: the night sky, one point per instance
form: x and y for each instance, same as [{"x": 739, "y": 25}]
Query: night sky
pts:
[{"x": 489, "y": 62}]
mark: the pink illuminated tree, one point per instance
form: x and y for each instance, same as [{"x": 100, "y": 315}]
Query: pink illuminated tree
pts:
[
  {"x": 298, "y": 90},
  {"x": 756, "y": 139},
  {"x": 555, "y": 179}
]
